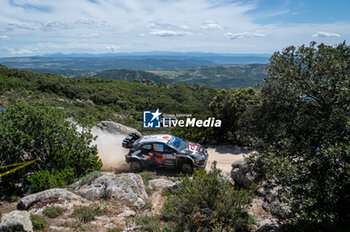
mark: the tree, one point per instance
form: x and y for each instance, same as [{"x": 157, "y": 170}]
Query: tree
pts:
[
  {"x": 301, "y": 131},
  {"x": 229, "y": 105},
  {"x": 35, "y": 131}
]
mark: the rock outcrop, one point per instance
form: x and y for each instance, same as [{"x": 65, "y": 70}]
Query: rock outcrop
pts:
[
  {"x": 241, "y": 174},
  {"x": 16, "y": 221},
  {"x": 116, "y": 128},
  {"x": 161, "y": 183},
  {"x": 127, "y": 186},
  {"x": 56, "y": 194},
  {"x": 273, "y": 203}
]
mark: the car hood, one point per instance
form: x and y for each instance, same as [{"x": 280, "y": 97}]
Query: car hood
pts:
[{"x": 195, "y": 149}]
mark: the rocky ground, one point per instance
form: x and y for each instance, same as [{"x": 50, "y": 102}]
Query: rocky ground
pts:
[{"x": 117, "y": 200}]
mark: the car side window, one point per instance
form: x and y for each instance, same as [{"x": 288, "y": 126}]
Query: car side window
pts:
[
  {"x": 146, "y": 146},
  {"x": 158, "y": 147},
  {"x": 168, "y": 150}
]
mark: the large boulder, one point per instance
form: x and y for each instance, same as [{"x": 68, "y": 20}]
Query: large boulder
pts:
[
  {"x": 16, "y": 221},
  {"x": 128, "y": 186},
  {"x": 241, "y": 174},
  {"x": 161, "y": 183},
  {"x": 56, "y": 194},
  {"x": 116, "y": 128}
]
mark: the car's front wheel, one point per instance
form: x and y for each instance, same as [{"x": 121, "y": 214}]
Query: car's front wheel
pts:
[
  {"x": 187, "y": 168},
  {"x": 136, "y": 166}
]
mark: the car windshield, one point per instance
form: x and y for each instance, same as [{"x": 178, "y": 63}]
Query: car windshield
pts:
[{"x": 179, "y": 144}]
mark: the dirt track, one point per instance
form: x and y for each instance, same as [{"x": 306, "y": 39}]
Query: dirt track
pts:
[{"x": 225, "y": 156}]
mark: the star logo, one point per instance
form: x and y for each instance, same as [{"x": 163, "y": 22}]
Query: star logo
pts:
[
  {"x": 151, "y": 119},
  {"x": 155, "y": 115}
]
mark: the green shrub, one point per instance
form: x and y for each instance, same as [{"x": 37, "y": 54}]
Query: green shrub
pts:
[
  {"x": 147, "y": 176},
  {"x": 106, "y": 194},
  {"x": 84, "y": 214},
  {"x": 149, "y": 223},
  {"x": 301, "y": 132},
  {"x": 42, "y": 180},
  {"x": 53, "y": 211},
  {"x": 115, "y": 230},
  {"x": 204, "y": 203},
  {"x": 39, "y": 131},
  {"x": 39, "y": 222}
]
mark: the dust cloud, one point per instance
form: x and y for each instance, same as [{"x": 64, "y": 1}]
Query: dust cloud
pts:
[{"x": 110, "y": 150}]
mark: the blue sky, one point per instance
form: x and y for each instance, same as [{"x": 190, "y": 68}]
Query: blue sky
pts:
[{"x": 37, "y": 27}]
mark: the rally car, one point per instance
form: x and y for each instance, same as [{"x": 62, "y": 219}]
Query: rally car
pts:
[{"x": 164, "y": 151}]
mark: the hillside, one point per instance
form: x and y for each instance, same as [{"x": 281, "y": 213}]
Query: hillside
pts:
[
  {"x": 139, "y": 61},
  {"x": 223, "y": 76},
  {"x": 96, "y": 99},
  {"x": 219, "y": 76}
]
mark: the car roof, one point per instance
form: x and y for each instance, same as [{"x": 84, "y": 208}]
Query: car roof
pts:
[{"x": 159, "y": 138}]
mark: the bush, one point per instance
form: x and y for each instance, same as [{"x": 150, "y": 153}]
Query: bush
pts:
[
  {"x": 229, "y": 106},
  {"x": 301, "y": 132},
  {"x": 53, "y": 211},
  {"x": 42, "y": 180},
  {"x": 35, "y": 131},
  {"x": 147, "y": 176},
  {"x": 39, "y": 222},
  {"x": 115, "y": 230},
  {"x": 84, "y": 214},
  {"x": 106, "y": 194},
  {"x": 204, "y": 203},
  {"x": 149, "y": 223}
]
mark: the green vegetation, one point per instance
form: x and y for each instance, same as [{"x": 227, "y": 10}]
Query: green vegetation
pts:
[
  {"x": 150, "y": 223},
  {"x": 147, "y": 176},
  {"x": 129, "y": 75},
  {"x": 53, "y": 211},
  {"x": 85, "y": 214},
  {"x": 39, "y": 222},
  {"x": 36, "y": 131},
  {"x": 115, "y": 230},
  {"x": 221, "y": 76},
  {"x": 42, "y": 180},
  {"x": 229, "y": 105},
  {"x": 90, "y": 100},
  {"x": 301, "y": 130},
  {"x": 205, "y": 203},
  {"x": 87, "y": 179}
]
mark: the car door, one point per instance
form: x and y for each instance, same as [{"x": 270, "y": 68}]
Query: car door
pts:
[{"x": 163, "y": 154}]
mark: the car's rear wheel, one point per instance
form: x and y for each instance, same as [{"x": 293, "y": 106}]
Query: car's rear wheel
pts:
[
  {"x": 136, "y": 166},
  {"x": 187, "y": 168}
]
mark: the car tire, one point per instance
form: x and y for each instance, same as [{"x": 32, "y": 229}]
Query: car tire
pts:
[
  {"x": 187, "y": 168},
  {"x": 136, "y": 166}
]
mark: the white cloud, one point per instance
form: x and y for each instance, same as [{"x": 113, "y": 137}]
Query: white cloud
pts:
[
  {"x": 83, "y": 26},
  {"x": 112, "y": 48},
  {"x": 169, "y": 33},
  {"x": 244, "y": 35},
  {"x": 325, "y": 34},
  {"x": 91, "y": 35},
  {"x": 4, "y": 37},
  {"x": 90, "y": 22},
  {"x": 23, "y": 26},
  {"x": 211, "y": 25},
  {"x": 55, "y": 26},
  {"x": 21, "y": 52}
]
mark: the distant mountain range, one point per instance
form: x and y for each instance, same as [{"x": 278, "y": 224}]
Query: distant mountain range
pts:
[
  {"x": 219, "y": 76},
  {"x": 138, "y": 61}
]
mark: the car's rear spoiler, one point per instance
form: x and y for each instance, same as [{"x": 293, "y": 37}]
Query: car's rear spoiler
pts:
[{"x": 129, "y": 141}]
